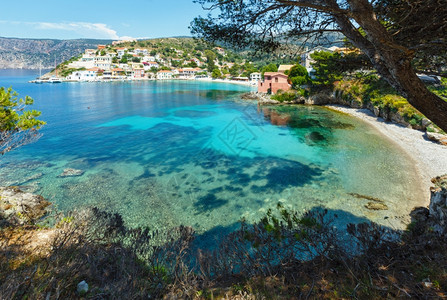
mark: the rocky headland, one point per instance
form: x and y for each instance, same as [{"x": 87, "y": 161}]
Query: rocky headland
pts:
[{"x": 16, "y": 53}]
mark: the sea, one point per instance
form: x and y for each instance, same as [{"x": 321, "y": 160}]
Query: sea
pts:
[{"x": 170, "y": 153}]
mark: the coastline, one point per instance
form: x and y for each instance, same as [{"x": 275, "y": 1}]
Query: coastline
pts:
[
  {"x": 430, "y": 158},
  {"x": 245, "y": 83}
]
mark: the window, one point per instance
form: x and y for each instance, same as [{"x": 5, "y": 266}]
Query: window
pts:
[{"x": 276, "y": 79}]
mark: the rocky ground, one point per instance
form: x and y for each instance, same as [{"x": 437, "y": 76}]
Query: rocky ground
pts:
[{"x": 19, "y": 208}]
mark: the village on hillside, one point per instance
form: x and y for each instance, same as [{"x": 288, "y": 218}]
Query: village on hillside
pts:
[{"x": 122, "y": 61}]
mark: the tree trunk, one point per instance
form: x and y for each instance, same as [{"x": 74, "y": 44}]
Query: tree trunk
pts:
[
  {"x": 391, "y": 60},
  {"x": 417, "y": 94}
]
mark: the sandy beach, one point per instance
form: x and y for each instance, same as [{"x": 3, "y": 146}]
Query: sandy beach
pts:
[{"x": 430, "y": 158}]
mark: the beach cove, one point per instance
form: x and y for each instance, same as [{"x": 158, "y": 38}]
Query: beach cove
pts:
[{"x": 167, "y": 153}]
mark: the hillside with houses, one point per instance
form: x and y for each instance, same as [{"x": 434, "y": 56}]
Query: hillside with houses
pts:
[{"x": 174, "y": 58}]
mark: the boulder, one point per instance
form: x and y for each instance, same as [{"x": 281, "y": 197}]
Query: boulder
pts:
[
  {"x": 436, "y": 137},
  {"x": 425, "y": 122},
  {"x": 319, "y": 99},
  {"x": 438, "y": 198},
  {"x": 376, "y": 111},
  {"x": 18, "y": 207},
  {"x": 82, "y": 288},
  {"x": 399, "y": 119}
]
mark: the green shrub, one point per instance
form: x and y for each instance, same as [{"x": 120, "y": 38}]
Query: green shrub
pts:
[{"x": 287, "y": 96}]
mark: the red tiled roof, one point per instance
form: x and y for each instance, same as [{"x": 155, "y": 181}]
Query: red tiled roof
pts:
[{"x": 273, "y": 74}]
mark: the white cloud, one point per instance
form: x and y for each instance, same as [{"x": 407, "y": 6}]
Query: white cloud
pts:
[
  {"x": 96, "y": 30},
  {"x": 80, "y": 29}
]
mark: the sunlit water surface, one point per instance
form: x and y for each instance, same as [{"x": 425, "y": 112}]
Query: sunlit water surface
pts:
[{"x": 169, "y": 153}]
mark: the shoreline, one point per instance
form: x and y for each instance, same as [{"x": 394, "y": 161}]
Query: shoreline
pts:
[
  {"x": 244, "y": 83},
  {"x": 429, "y": 158}
]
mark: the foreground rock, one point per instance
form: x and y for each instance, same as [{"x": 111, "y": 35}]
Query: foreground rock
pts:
[
  {"x": 435, "y": 217},
  {"x": 71, "y": 172},
  {"x": 437, "y": 137},
  {"x": 438, "y": 202},
  {"x": 20, "y": 208}
]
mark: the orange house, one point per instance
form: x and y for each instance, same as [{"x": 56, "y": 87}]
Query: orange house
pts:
[{"x": 273, "y": 81}]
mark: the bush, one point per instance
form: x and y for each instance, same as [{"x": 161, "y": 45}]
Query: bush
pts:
[
  {"x": 371, "y": 89},
  {"x": 288, "y": 96}
]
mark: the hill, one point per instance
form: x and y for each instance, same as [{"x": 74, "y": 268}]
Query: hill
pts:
[{"x": 17, "y": 53}]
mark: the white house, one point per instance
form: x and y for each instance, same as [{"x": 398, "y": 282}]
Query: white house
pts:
[
  {"x": 148, "y": 58},
  {"x": 141, "y": 51},
  {"x": 189, "y": 72},
  {"x": 105, "y": 58},
  {"x": 221, "y": 51},
  {"x": 121, "y": 51},
  {"x": 150, "y": 64},
  {"x": 197, "y": 61},
  {"x": 90, "y": 52},
  {"x": 87, "y": 75},
  {"x": 164, "y": 74},
  {"x": 255, "y": 77},
  {"x": 105, "y": 65}
]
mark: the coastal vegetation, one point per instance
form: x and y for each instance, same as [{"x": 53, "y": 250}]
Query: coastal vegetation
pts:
[
  {"x": 18, "y": 126},
  {"x": 93, "y": 254}
]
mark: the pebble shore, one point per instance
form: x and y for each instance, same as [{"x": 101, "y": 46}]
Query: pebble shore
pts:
[{"x": 430, "y": 158}]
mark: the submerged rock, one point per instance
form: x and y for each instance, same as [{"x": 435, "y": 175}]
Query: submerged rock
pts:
[
  {"x": 18, "y": 207},
  {"x": 315, "y": 137},
  {"x": 373, "y": 204},
  {"x": 376, "y": 206},
  {"x": 250, "y": 96},
  {"x": 71, "y": 172}
]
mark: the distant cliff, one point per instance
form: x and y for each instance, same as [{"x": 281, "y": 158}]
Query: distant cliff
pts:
[{"x": 18, "y": 53}]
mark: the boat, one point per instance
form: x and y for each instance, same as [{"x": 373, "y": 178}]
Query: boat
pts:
[
  {"x": 54, "y": 79},
  {"x": 38, "y": 79}
]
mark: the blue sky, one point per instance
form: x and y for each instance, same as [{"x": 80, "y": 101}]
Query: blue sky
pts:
[{"x": 111, "y": 19}]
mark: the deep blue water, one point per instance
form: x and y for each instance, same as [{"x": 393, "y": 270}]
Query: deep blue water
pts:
[{"x": 169, "y": 153}]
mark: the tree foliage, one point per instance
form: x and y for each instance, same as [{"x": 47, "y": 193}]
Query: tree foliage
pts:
[
  {"x": 210, "y": 57},
  {"x": 421, "y": 26},
  {"x": 216, "y": 74},
  {"x": 18, "y": 126},
  {"x": 393, "y": 34},
  {"x": 298, "y": 76},
  {"x": 269, "y": 68},
  {"x": 326, "y": 67}
]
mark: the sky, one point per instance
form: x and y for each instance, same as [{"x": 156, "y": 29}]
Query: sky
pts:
[{"x": 99, "y": 19}]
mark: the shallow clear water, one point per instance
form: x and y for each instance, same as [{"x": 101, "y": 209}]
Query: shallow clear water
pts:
[{"x": 175, "y": 152}]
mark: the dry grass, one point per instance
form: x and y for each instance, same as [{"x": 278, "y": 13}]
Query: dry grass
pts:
[{"x": 258, "y": 261}]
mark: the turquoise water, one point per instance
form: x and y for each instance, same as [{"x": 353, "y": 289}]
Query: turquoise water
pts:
[{"x": 169, "y": 153}]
